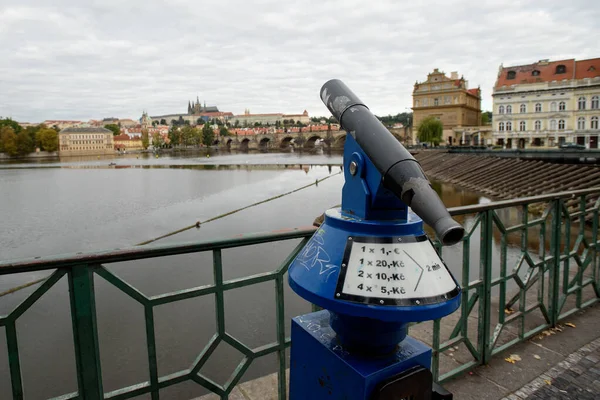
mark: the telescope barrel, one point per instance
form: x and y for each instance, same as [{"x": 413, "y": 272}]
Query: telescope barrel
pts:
[{"x": 401, "y": 173}]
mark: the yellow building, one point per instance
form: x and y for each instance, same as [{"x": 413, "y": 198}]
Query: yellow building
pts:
[
  {"x": 85, "y": 141},
  {"x": 547, "y": 103},
  {"x": 125, "y": 143},
  {"x": 448, "y": 99}
]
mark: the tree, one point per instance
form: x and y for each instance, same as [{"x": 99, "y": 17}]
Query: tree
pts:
[
  {"x": 24, "y": 143},
  {"x": 163, "y": 121},
  {"x": 47, "y": 139},
  {"x": 13, "y": 124},
  {"x": 187, "y": 136},
  {"x": 237, "y": 123},
  {"x": 291, "y": 121},
  {"x": 430, "y": 130},
  {"x": 486, "y": 118},
  {"x": 114, "y": 128},
  {"x": 208, "y": 135},
  {"x": 157, "y": 140},
  {"x": 224, "y": 131},
  {"x": 145, "y": 139},
  {"x": 8, "y": 140},
  {"x": 201, "y": 121}
]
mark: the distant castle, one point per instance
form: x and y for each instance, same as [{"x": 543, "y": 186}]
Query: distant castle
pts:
[{"x": 197, "y": 108}]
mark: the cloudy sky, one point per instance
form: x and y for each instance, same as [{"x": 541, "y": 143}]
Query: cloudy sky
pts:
[{"x": 82, "y": 59}]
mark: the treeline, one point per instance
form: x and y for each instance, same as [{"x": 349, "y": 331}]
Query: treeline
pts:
[
  {"x": 189, "y": 136},
  {"x": 404, "y": 118},
  {"x": 18, "y": 141}
]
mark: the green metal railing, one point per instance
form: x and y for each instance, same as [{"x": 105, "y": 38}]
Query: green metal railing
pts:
[{"x": 561, "y": 275}]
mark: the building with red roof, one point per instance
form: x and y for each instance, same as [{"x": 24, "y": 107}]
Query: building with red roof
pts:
[{"x": 547, "y": 103}]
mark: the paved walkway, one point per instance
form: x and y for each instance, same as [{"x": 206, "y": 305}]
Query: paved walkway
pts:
[
  {"x": 577, "y": 377},
  {"x": 561, "y": 365}
]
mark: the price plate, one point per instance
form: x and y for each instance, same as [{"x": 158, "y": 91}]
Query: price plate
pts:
[{"x": 394, "y": 271}]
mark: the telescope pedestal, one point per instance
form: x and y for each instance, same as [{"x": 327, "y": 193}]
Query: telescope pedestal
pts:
[{"x": 322, "y": 368}]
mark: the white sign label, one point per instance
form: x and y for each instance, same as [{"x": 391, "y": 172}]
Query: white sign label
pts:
[{"x": 410, "y": 270}]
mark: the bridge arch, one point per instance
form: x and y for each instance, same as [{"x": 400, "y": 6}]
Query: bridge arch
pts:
[
  {"x": 245, "y": 144},
  {"x": 229, "y": 142},
  {"x": 286, "y": 142},
  {"x": 339, "y": 141},
  {"x": 264, "y": 143},
  {"x": 311, "y": 141}
]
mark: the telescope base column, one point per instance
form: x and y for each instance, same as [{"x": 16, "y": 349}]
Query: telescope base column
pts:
[{"x": 321, "y": 368}]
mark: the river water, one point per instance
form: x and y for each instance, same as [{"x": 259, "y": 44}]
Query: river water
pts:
[{"x": 86, "y": 204}]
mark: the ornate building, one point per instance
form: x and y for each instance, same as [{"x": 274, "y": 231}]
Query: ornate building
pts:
[
  {"x": 197, "y": 108},
  {"x": 547, "y": 103},
  {"x": 448, "y": 99}
]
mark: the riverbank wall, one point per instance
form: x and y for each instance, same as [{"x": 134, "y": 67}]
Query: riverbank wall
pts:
[{"x": 509, "y": 178}]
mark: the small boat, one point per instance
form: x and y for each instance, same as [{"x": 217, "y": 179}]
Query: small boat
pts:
[{"x": 112, "y": 164}]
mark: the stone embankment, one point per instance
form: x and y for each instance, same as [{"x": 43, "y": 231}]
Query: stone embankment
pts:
[{"x": 508, "y": 178}]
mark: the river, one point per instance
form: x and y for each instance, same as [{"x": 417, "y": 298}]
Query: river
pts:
[{"x": 85, "y": 204}]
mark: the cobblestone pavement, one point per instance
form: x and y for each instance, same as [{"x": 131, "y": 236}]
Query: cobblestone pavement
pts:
[{"x": 575, "y": 378}]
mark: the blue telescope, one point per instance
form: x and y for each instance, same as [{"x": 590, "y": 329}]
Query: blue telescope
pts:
[{"x": 373, "y": 270}]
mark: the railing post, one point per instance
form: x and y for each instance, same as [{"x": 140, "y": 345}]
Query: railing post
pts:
[
  {"x": 554, "y": 269},
  {"x": 485, "y": 272},
  {"x": 85, "y": 332}
]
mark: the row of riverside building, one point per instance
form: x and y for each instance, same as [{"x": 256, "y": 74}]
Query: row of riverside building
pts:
[{"x": 544, "y": 104}]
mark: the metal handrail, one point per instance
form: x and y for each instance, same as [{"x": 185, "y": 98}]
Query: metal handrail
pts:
[{"x": 561, "y": 271}]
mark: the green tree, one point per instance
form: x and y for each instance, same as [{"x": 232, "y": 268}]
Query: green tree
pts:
[
  {"x": 13, "y": 124},
  {"x": 430, "y": 130},
  {"x": 114, "y": 128},
  {"x": 187, "y": 136},
  {"x": 163, "y": 121},
  {"x": 8, "y": 140},
  {"x": 237, "y": 123},
  {"x": 47, "y": 139},
  {"x": 486, "y": 118},
  {"x": 201, "y": 121},
  {"x": 145, "y": 139},
  {"x": 24, "y": 143},
  {"x": 157, "y": 140},
  {"x": 208, "y": 135},
  {"x": 174, "y": 136},
  {"x": 224, "y": 131}
]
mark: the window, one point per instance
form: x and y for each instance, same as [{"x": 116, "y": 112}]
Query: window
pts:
[
  {"x": 509, "y": 109},
  {"x": 594, "y": 123},
  {"x": 535, "y": 72},
  {"x": 553, "y": 106},
  {"x": 522, "y": 126},
  {"x": 581, "y": 123},
  {"x": 501, "y": 109},
  {"x": 511, "y": 75},
  {"x": 553, "y": 125},
  {"x": 523, "y": 108},
  {"x": 509, "y": 126},
  {"x": 562, "y": 106},
  {"x": 561, "y": 69},
  {"x": 595, "y": 103},
  {"x": 561, "y": 124},
  {"x": 436, "y": 102},
  {"x": 447, "y": 100},
  {"x": 501, "y": 126},
  {"x": 538, "y": 107},
  {"x": 416, "y": 103},
  {"x": 581, "y": 103},
  {"x": 538, "y": 125}
]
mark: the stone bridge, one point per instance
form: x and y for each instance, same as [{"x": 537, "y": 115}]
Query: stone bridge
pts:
[{"x": 297, "y": 140}]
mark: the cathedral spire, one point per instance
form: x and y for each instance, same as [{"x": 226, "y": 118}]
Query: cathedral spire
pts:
[{"x": 197, "y": 100}]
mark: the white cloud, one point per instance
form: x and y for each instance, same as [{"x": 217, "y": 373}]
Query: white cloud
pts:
[{"x": 93, "y": 59}]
